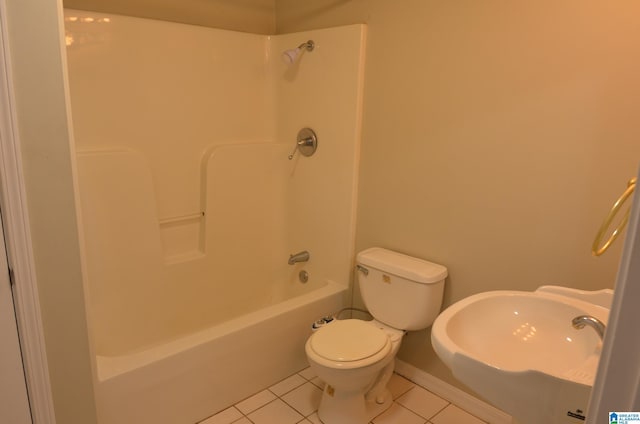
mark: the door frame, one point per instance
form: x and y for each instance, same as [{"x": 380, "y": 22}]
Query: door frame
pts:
[
  {"x": 18, "y": 243},
  {"x": 13, "y": 385},
  {"x": 617, "y": 385}
]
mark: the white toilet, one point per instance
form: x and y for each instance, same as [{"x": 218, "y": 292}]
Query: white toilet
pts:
[{"x": 355, "y": 358}]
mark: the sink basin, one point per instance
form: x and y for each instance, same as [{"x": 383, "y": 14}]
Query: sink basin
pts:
[{"x": 519, "y": 351}]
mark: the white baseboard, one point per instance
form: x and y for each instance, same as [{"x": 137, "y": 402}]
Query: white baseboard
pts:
[{"x": 469, "y": 403}]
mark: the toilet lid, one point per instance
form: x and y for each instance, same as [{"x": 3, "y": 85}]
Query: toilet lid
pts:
[{"x": 348, "y": 340}]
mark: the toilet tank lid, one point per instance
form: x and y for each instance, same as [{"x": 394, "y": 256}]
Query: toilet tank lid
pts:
[{"x": 403, "y": 266}]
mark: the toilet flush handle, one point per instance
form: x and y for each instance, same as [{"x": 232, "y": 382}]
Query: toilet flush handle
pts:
[{"x": 362, "y": 269}]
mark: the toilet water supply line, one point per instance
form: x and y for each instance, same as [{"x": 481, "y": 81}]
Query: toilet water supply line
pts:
[{"x": 330, "y": 318}]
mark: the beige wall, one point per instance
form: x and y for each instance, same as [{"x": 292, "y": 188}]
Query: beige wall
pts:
[
  {"x": 496, "y": 136},
  {"x": 255, "y": 16},
  {"x": 37, "y": 63}
]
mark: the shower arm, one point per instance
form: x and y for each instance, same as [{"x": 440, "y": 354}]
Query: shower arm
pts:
[{"x": 308, "y": 45}]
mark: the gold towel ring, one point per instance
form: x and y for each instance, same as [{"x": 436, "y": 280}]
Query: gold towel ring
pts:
[{"x": 597, "y": 251}]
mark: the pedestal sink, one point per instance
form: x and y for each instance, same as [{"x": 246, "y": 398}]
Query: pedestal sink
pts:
[{"x": 520, "y": 352}]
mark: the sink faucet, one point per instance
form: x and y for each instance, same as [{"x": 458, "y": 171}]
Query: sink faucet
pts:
[
  {"x": 299, "y": 257},
  {"x": 579, "y": 323}
]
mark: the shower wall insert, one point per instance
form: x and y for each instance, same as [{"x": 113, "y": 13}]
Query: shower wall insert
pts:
[{"x": 190, "y": 206}]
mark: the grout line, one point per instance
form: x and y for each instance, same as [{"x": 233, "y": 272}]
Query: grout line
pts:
[
  {"x": 399, "y": 395},
  {"x": 402, "y": 406},
  {"x": 304, "y": 417},
  {"x": 445, "y": 407}
]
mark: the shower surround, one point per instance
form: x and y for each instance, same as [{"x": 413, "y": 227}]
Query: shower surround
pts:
[{"x": 190, "y": 206}]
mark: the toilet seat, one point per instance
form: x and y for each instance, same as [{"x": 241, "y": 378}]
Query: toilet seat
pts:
[{"x": 349, "y": 343}]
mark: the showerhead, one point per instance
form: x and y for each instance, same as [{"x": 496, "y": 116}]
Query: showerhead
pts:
[{"x": 290, "y": 56}]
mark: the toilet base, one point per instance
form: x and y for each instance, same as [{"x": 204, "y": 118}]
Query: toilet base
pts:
[{"x": 350, "y": 408}]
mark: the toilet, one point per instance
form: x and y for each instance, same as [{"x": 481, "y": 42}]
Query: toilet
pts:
[{"x": 355, "y": 358}]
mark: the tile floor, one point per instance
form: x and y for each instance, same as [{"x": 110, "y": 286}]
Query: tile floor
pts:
[{"x": 295, "y": 400}]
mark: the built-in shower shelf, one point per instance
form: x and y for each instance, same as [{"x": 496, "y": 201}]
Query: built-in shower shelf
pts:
[
  {"x": 176, "y": 219},
  {"x": 182, "y": 237},
  {"x": 184, "y": 257}
]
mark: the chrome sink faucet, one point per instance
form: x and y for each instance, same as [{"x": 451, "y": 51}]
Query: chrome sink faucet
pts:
[
  {"x": 581, "y": 321},
  {"x": 299, "y": 257}
]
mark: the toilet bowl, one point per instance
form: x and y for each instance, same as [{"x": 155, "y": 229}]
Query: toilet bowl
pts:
[{"x": 355, "y": 358}]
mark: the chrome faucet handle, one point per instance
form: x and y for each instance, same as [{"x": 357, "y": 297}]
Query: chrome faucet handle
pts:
[
  {"x": 306, "y": 143},
  {"x": 293, "y": 153},
  {"x": 299, "y": 143}
]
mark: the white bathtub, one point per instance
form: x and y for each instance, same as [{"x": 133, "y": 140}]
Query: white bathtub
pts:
[
  {"x": 187, "y": 380},
  {"x": 190, "y": 211}
]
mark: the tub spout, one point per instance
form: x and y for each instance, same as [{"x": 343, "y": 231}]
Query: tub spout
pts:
[{"x": 299, "y": 257}]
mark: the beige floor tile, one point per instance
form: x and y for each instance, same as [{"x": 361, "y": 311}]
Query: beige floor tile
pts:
[
  {"x": 399, "y": 385},
  {"x": 304, "y": 399},
  {"x": 454, "y": 415},
  {"x": 227, "y": 416},
  {"x": 287, "y": 385},
  {"x": 308, "y": 373},
  {"x": 314, "y": 418},
  {"x": 276, "y": 412},
  {"x": 422, "y": 402},
  {"x": 292, "y": 399},
  {"x": 256, "y": 401},
  {"x": 398, "y": 415}
]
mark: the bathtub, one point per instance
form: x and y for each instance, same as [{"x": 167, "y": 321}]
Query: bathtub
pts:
[
  {"x": 189, "y": 379},
  {"x": 189, "y": 210}
]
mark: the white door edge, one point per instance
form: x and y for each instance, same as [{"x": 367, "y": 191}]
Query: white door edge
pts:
[
  {"x": 14, "y": 400},
  {"x": 18, "y": 244}
]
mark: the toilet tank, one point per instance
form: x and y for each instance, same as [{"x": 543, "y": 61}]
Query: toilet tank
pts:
[{"x": 399, "y": 290}]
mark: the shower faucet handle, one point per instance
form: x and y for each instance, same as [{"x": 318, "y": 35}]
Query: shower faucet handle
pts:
[
  {"x": 298, "y": 144},
  {"x": 306, "y": 143}
]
